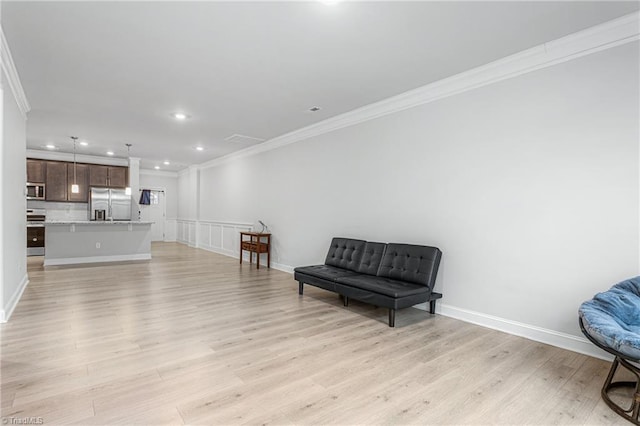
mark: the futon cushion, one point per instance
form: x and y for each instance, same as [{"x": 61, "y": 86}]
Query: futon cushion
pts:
[
  {"x": 324, "y": 271},
  {"x": 411, "y": 263},
  {"x": 345, "y": 253},
  {"x": 371, "y": 258},
  {"x": 612, "y": 318},
  {"x": 382, "y": 285}
]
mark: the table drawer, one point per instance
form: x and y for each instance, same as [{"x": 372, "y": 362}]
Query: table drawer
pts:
[{"x": 254, "y": 247}]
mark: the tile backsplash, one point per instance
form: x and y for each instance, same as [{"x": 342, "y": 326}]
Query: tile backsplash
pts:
[{"x": 61, "y": 211}]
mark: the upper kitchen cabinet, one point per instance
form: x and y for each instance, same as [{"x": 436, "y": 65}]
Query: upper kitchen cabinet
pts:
[
  {"x": 56, "y": 181},
  {"x": 98, "y": 175},
  {"x": 118, "y": 177},
  {"x": 57, "y": 177},
  {"x": 82, "y": 179},
  {"x": 36, "y": 171},
  {"x": 108, "y": 176}
]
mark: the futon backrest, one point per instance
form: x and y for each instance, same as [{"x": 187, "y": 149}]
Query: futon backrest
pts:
[
  {"x": 345, "y": 253},
  {"x": 411, "y": 263},
  {"x": 371, "y": 259}
]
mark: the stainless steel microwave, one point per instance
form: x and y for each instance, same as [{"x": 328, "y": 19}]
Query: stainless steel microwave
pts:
[{"x": 35, "y": 191}]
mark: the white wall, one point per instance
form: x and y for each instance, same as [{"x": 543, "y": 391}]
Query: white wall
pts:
[
  {"x": 188, "y": 193},
  {"x": 13, "y": 203},
  {"x": 183, "y": 193},
  {"x": 529, "y": 186}
]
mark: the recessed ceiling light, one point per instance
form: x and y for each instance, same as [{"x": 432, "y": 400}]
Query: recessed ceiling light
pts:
[
  {"x": 157, "y": 167},
  {"x": 199, "y": 148},
  {"x": 166, "y": 163},
  {"x": 180, "y": 115},
  {"x": 315, "y": 109},
  {"x": 84, "y": 143},
  {"x": 109, "y": 152},
  {"x": 50, "y": 146}
]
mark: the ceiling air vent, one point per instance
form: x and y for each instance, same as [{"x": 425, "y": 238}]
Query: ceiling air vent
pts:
[{"x": 236, "y": 138}]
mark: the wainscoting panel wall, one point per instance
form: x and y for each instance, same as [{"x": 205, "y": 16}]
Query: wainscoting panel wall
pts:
[
  {"x": 186, "y": 232},
  {"x": 216, "y": 236}
]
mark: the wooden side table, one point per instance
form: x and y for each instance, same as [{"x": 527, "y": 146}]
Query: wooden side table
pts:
[{"x": 257, "y": 243}]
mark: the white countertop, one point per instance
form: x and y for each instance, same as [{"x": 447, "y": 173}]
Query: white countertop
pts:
[{"x": 97, "y": 222}]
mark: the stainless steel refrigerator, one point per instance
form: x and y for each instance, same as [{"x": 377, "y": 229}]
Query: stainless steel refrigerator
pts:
[{"x": 109, "y": 204}]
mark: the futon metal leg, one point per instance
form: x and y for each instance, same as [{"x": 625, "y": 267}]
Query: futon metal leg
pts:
[
  {"x": 300, "y": 284},
  {"x": 392, "y": 317},
  {"x": 432, "y": 306},
  {"x": 345, "y": 300}
]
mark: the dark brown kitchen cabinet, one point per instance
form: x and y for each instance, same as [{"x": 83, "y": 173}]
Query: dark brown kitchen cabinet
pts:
[
  {"x": 56, "y": 181},
  {"x": 98, "y": 175},
  {"x": 36, "y": 171},
  {"x": 118, "y": 177},
  {"x": 58, "y": 178},
  {"x": 109, "y": 176},
  {"x": 82, "y": 179},
  {"x": 35, "y": 236}
]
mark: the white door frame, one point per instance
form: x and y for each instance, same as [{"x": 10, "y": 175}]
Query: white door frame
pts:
[{"x": 164, "y": 206}]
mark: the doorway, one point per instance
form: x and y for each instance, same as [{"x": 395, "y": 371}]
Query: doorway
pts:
[{"x": 155, "y": 212}]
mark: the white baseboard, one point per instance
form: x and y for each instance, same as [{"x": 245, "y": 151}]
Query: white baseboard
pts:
[
  {"x": 96, "y": 259},
  {"x": 532, "y": 332},
  {"x": 7, "y": 310},
  {"x": 551, "y": 337},
  {"x": 230, "y": 253},
  {"x": 282, "y": 267}
]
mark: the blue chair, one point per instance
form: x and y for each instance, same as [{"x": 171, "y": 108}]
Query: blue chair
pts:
[{"x": 611, "y": 320}]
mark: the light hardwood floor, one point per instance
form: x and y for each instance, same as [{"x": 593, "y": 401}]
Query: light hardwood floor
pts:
[{"x": 193, "y": 337}]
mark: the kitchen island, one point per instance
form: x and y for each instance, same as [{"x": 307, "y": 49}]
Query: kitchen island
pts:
[{"x": 75, "y": 242}]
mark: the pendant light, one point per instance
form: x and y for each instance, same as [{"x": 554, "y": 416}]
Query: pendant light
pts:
[
  {"x": 127, "y": 190},
  {"x": 75, "y": 189}
]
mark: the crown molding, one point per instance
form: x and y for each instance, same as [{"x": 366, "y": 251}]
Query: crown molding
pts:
[
  {"x": 9, "y": 69},
  {"x": 164, "y": 173},
  {"x": 591, "y": 40},
  {"x": 80, "y": 158}
]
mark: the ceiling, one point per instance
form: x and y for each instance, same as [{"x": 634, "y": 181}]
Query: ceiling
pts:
[{"x": 112, "y": 73}]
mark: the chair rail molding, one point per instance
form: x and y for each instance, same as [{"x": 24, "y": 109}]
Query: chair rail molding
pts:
[
  {"x": 212, "y": 235},
  {"x": 186, "y": 232},
  {"x": 221, "y": 237},
  {"x": 591, "y": 40},
  {"x": 217, "y": 236}
]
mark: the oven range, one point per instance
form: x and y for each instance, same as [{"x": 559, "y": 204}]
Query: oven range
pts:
[{"x": 35, "y": 231}]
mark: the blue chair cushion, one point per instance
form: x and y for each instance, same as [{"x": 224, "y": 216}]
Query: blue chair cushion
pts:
[{"x": 612, "y": 318}]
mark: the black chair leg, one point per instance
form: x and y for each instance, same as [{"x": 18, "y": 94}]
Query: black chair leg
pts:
[
  {"x": 300, "y": 284},
  {"x": 432, "y": 306},
  {"x": 345, "y": 300},
  {"x": 392, "y": 317}
]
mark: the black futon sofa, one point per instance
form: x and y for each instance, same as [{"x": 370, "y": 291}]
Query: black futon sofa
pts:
[{"x": 393, "y": 276}]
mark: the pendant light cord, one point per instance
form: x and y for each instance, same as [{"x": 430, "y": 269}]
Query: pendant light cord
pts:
[{"x": 75, "y": 139}]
